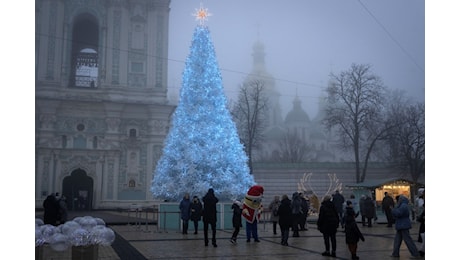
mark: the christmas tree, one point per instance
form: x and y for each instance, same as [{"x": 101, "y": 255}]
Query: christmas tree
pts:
[{"x": 202, "y": 149}]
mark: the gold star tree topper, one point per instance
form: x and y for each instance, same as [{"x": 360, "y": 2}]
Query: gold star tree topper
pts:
[{"x": 201, "y": 14}]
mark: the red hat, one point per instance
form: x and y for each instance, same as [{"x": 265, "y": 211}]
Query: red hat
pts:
[{"x": 256, "y": 190}]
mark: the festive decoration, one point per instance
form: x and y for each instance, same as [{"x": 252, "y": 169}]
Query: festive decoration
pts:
[
  {"x": 201, "y": 14},
  {"x": 202, "y": 149},
  {"x": 252, "y": 204},
  {"x": 81, "y": 231}
]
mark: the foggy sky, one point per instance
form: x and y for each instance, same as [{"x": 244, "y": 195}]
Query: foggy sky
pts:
[{"x": 305, "y": 41}]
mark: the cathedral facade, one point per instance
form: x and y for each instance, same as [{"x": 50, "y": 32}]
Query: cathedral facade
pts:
[
  {"x": 319, "y": 144},
  {"x": 101, "y": 105}
]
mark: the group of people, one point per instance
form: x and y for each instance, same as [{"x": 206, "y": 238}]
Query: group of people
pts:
[
  {"x": 291, "y": 214},
  {"x": 55, "y": 209},
  {"x": 299, "y": 207},
  {"x": 195, "y": 210},
  {"x": 250, "y": 209}
]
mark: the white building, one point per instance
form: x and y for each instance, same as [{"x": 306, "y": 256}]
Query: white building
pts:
[{"x": 101, "y": 99}]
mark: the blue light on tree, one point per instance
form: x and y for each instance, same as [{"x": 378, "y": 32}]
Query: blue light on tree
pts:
[{"x": 202, "y": 149}]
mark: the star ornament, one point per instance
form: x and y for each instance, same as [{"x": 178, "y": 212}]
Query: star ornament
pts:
[{"x": 201, "y": 14}]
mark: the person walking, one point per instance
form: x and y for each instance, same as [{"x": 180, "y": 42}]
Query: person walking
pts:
[
  {"x": 362, "y": 209},
  {"x": 210, "y": 216},
  {"x": 296, "y": 206},
  {"x": 338, "y": 201},
  {"x": 387, "y": 205},
  {"x": 237, "y": 208},
  {"x": 352, "y": 232},
  {"x": 185, "y": 211},
  {"x": 285, "y": 218},
  {"x": 328, "y": 222},
  {"x": 401, "y": 214},
  {"x": 196, "y": 209},
  {"x": 421, "y": 219},
  {"x": 369, "y": 210},
  {"x": 273, "y": 207},
  {"x": 305, "y": 208}
]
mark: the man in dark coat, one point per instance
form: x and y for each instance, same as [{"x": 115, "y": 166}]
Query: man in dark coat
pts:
[
  {"x": 328, "y": 222},
  {"x": 387, "y": 205},
  {"x": 369, "y": 210},
  {"x": 210, "y": 216},
  {"x": 338, "y": 201},
  {"x": 285, "y": 218},
  {"x": 51, "y": 208}
]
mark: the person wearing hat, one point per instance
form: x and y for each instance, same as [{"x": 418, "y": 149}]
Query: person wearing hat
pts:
[
  {"x": 252, "y": 208},
  {"x": 328, "y": 222},
  {"x": 401, "y": 214}
]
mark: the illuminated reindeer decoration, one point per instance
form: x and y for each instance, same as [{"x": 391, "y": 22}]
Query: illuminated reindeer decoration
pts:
[{"x": 319, "y": 189}]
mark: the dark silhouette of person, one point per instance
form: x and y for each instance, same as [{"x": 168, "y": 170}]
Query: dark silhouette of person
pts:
[
  {"x": 352, "y": 232},
  {"x": 338, "y": 201},
  {"x": 237, "y": 208},
  {"x": 185, "y": 212},
  {"x": 51, "y": 208},
  {"x": 196, "y": 209},
  {"x": 210, "y": 216},
  {"x": 387, "y": 205},
  {"x": 285, "y": 218},
  {"x": 328, "y": 222}
]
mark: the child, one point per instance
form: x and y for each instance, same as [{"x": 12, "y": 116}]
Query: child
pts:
[
  {"x": 236, "y": 220},
  {"x": 352, "y": 232}
]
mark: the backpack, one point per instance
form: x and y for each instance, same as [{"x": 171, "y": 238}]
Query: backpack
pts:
[{"x": 275, "y": 209}]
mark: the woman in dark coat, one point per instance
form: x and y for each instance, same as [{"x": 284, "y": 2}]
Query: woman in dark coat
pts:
[
  {"x": 328, "y": 222},
  {"x": 185, "y": 211},
  {"x": 196, "y": 208},
  {"x": 285, "y": 218},
  {"x": 352, "y": 232},
  {"x": 237, "y": 208}
]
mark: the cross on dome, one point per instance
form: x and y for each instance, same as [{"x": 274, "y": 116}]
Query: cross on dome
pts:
[{"x": 201, "y": 14}]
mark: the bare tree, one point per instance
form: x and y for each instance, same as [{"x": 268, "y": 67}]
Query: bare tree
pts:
[
  {"x": 355, "y": 111},
  {"x": 250, "y": 115},
  {"x": 292, "y": 148},
  {"x": 407, "y": 139}
]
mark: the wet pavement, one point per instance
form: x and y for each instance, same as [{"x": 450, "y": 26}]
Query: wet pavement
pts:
[{"x": 140, "y": 239}]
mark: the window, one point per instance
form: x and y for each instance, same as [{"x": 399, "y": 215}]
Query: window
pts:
[
  {"x": 137, "y": 67},
  {"x": 85, "y": 44},
  {"x": 132, "y": 133}
]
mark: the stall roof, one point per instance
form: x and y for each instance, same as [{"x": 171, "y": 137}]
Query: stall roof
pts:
[{"x": 378, "y": 182}]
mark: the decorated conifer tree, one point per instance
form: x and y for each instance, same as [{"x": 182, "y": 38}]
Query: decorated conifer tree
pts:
[{"x": 202, "y": 149}]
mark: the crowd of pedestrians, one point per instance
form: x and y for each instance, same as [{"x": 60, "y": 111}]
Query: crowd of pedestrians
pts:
[{"x": 291, "y": 213}]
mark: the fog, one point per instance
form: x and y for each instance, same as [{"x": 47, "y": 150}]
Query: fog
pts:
[{"x": 304, "y": 42}]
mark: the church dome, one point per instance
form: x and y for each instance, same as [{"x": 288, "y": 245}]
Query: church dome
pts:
[{"x": 297, "y": 114}]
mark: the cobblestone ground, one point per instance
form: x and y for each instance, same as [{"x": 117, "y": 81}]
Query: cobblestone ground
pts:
[{"x": 139, "y": 242}]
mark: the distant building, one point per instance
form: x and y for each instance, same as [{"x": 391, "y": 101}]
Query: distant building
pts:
[
  {"x": 101, "y": 100},
  {"x": 297, "y": 122}
]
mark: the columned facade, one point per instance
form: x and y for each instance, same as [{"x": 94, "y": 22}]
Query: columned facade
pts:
[{"x": 101, "y": 100}]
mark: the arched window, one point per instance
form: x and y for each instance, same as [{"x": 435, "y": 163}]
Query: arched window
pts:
[{"x": 85, "y": 42}]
